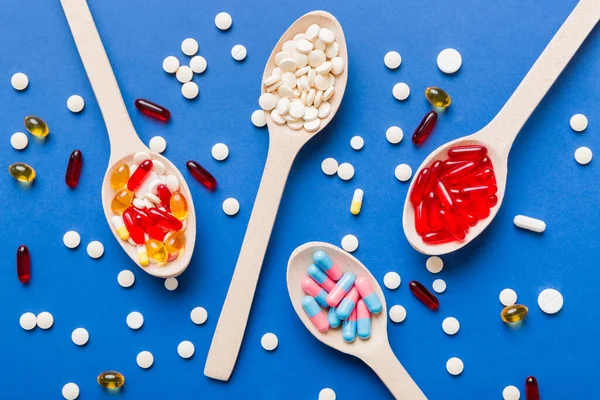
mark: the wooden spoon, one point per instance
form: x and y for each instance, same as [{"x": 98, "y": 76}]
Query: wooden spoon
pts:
[
  {"x": 499, "y": 135},
  {"x": 375, "y": 351},
  {"x": 124, "y": 141},
  {"x": 284, "y": 144}
]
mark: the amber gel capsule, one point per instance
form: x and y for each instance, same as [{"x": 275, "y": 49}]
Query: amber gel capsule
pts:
[
  {"x": 111, "y": 379},
  {"x": 74, "y": 169},
  {"x": 514, "y": 313},
  {"x": 153, "y": 110},
  {"x": 23, "y": 264},
  {"x": 424, "y": 295}
]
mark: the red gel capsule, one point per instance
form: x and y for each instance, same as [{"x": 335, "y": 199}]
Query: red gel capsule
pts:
[
  {"x": 453, "y": 226},
  {"x": 531, "y": 389},
  {"x": 156, "y": 232},
  {"x": 446, "y": 198},
  {"x": 472, "y": 152},
  {"x": 164, "y": 194},
  {"x": 424, "y": 295},
  {"x": 23, "y": 264},
  {"x": 435, "y": 172},
  {"x": 201, "y": 175},
  {"x": 424, "y": 128},
  {"x": 139, "y": 175},
  {"x": 452, "y": 164},
  {"x": 74, "y": 169},
  {"x": 458, "y": 173},
  {"x": 481, "y": 190},
  {"x": 492, "y": 201},
  {"x": 480, "y": 210},
  {"x": 417, "y": 192},
  {"x": 165, "y": 220},
  {"x": 136, "y": 232},
  {"x": 152, "y": 110},
  {"x": 421, "y": 223},
  {"x": 438, "y": 237},
  {"x": 432, "y": 208},
  {"x": 486, "y": 162}
]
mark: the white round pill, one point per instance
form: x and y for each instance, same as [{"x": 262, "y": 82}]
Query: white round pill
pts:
[
  {"x": 455, "y": 366},
  {"x": 135, "y": 320},
  {"x": 139, "y": 157},
  {"x": 268, "y": 101},
  {"x": 223, "y": 21},
  {"x": 403, "y": 172},
  {"x": 329, "y": 166},
  {"x": 95, "y": 249},
  {"x": 28, "y": 321},
  {"x": 583, "y": 155},
  {"x": 144, "y": 359},
  {"x": 269, "y": 341},
  {"x": 439, "y": 286},
  {"x": 80, "y": 336},
  {"x": 70, "y": 391},
  {"x": 220, "y": 151},
  {"x": 511, "y": 393},
  {"x": 350, "y": 243},
  {"x": 19, "y": 140},
  {"x": 450, "y": 326},
  {"x": 397, "y": 313},
  {"x": 199, "y": 315},
  {"x": 190, "y": 90},
  {"x": 357, "y": 143},
  {"x": 508, "y": 297},
  {"x": 185, "y": 349},
  {"x": 578, "y": 122},
  {"x": 170, "y": 64},
  {"x": 198, "y": 64},
  {"x": 392, "y": 59},
  {"x": 238, "y": 52},
  {"x": 231, "y": 206},
  {"x": 171, "y": 284},
  {"x": 184, "y": 74},
  {"x": 550, "y": 301},
  {"x": 71, "y": 239},
  {"x": 172, "y": 183},
  {"x": 392, "y": 280},
  {"x": 45, "y": 320},
  {"x": 449, "y": 61},
  {"x": 19, "y": 81},
  {"x": 434, "y": 264},
  {"x": 345, "y": 171},
  {"x": 75, "y": 103},
  {"x": 394, "y": 134},
  {"x": 401, "y": 91},
  {"x": 327, "y": 394},
  {"x": 258, "y": 118},
  {"x": 189, "y": 46},
  {"x": 158, "y": 144}
]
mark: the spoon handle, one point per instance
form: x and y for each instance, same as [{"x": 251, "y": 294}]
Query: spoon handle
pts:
[{"x": 545, "y": 71}]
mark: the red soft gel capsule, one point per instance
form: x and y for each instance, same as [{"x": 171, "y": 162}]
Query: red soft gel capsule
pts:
[
  {"x": 424, "y": 295},
  {"x": 152, "y": 110},
  {"x": 23, "y": 264},
  {"x": 74, "y": 169}
]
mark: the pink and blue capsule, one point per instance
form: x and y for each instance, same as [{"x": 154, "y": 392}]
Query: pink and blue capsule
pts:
[
  {"x": 363, "y": 320},
  {"x": 342, "y": 287},
  {"x": 320, "y": 277},
  {"x": 349, "y": 328},
  {"x": 368, "y": 294},
  {"x": 313, "y": 289},
  {"x": 316, "y": 315},
  {"x": 333, "y": 319},
  {"x": 348, "y": 304},
  {"x": 330, "y": 267}
]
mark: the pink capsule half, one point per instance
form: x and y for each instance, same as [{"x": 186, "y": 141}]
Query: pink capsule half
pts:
[
  {"x": 316, "y": 315},
  {"x": 365, "y": 289},
  {"x": 341, "y": 289},
  {"x": 313, "y": 289}
]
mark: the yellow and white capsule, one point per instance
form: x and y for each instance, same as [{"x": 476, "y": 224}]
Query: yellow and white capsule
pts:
[
  {"x": 119, "y": 225},
  {"x": 143, "y": 255},
  {"x": 356, "y": 201}
]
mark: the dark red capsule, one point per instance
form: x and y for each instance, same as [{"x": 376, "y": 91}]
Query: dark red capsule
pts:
[
  {"x": 531, "y": 389},
  {"x": 164, "y": 220},
  {"x": 153, "y": 110},
  {"x": 23, "y": 264},
  {"x": 74, "y": 169},
  {"x": 424, "y": 295},
  {"x": 164, "y": 194},
  {"x": 156, "y": 232},
  {"x": 201, "y": 175},
  {"x": 424, "y": 128},
  {"x": 136, "y": 232}
]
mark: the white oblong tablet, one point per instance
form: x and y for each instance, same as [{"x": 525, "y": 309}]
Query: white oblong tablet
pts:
[
  {"x": 392, "y": 59},
  {"x": 350, "y": 243},
  {"x": 80, "y": 336},
  {"x": 583, "y": 155},
  {"x": 329, "y": 166},
  {"x": 184, "y": 74},
  {"x": 231, "y": 206},
  {"x": 508, "y": 297},
  {"x": 158, "y": 144},
  {"x": 75, "y": 103},
  {"x": 357, "y": 143},
  {"x": 397, "y": 313},
  {"x": 19, "y": 140},
  {"x": 171, "y": 284},
  {"x": 28, "y": 321},
  {"x": 550, "y": 301},
  {"x": 578, "y": 122},
  {"x": 269, "y": 341},
  {"x": 450, "y": 326},
  {"x": 345, "y": 171},
  {"x": 190, "y": 90},
  {"x": 238, "y": 52},
  {"x": 199, "y": 315},
  {"x": 189, "y": 46},
  {"x": 198, "y": 64},
  {"x": 449, "y": 61},
  {"x": 401, "y": 91},
  {"x": 439, "y": 286},
  {"x": 70, "y": 391},
  {"x": 259, "y": 118},
  {"x": 403, "y": 172},
  {"x": 19, "y": 81},
  {"x": 511, "y": 393},
  {"x": 144, "y": 359},
  {"x": 223, "y": 21},
  {"x": 434, "y": 264},
  {"x": 170, "y": 64},
  {"x": 135, "y": 320},
  {"x": 185, "y": 349},
  {"x": 95, "y": 249},
  {"x": 220, "y": 151},
  {"x": 45, "y": 320},
  {"x": 531, "y": 224},
  {"x": 394, "y": 134},
  {"x": 455, "y": 366},
  {"x": 71, "y": 239},
  {"x": 392, "y": 280},
  {"x": 327, "y": 394},
  {"x": 139, "y": 157}
]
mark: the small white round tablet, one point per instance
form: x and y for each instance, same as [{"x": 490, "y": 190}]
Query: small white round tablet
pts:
[
  {"x": 171, "y": 284},
  {"x": 80, "y": 336},
  {"x": 198, "y": 64},
  {"x": 19, "y": 140},
  {"x": 45, "y": 320},
  {"x": 269, "y": 341},
  {"x": 189, "y": 46},
  {"x": 583, "y": 155},
  {"x": 259, "y": 118},
  {"x": 511, "y": 393},
  {"x": 190, "y": 90},
  {"x": 345, "y": 171},
  {"x": 455, "y": 366},
  {"x": 135, "y": 320},
  {"x": 449, "y": 61},
  {"x": 357, "y": 142},
  {"x": 450, "y": 326},
  {"x": 238, "y": 52},
  {"x": 329, "y": 166},
  {"x": 19, "y": 81},
  {"x": 184, "y": 74},
  {"x": 28, "y": 321},
  {"x": 231, "y": 206},
  {"x": 439, "y": 286},
  {"x": 394, "y": 134},
  {"x": 199, "y": 315},
  {"x": 350, "y": 243},
  {"x": 158, "y": 144},
  {"x": 185, "y": 349},
  {"x": 550, "y": 301},
  {"x": 75, "y": 103},
  {"x": 508, "y": 297},
  {"x": 170, "y": 64},
  {"x": 401, "y": 91},
  {"x": 71, "y": 239},
  {"x": 403, "y": 172},
  {"x": 392, "y": 59},
  {"x": 223, "y": 21},
  {"x": 434, "y": 264},
  {"x": 578, "y": 122},
  {"x": 144, "y": 359},
  {"x": 95, "y": 249},
  {"x": 327, "y": 394},
  {"x": 70, "y": 391},
  {"x": 220, "y": 151},
  {"x": 392, "y": 280},
  {"x": 397, "y": 313}
]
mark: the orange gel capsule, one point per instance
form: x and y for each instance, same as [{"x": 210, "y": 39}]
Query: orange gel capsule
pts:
[{"x": 179, "y": 206}]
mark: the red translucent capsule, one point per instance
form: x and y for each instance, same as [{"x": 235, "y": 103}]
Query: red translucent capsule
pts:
[
  {"x": 486, "y": 162},
  {"x": 478, "y": 209},
  {"x": 153, "y": 110},
  {"x": 156, "y": 232},
  {"x": 459, "y": 172},
  {"x": 421, "y": 223},
  {"x": 74, "y": 169},
  {"x": 164, "y": 194},
  {"x": 481, "y": 190},
  {"x": 139, "y": 175},
  {"x": 432, "y": 208},
  {"x": 165, "y": 220},
  {"x": 136, "y": 232},
  {"x": 471, "y": 152},
  {"x": 484, "y": 176},
  {"x": 446, "y": 198},
  {"x": 418, "y": 188},
  {"x": 202, "y": 175},
  {"x": 435, "y": 172},
  {"x": 424, "y": 128},
  {"x": 23, "y": 264},
  {"x": 462, "y": 219},
  {"x": 492, "y": 201},
  {"x": 424, "y": 295},
  {"x": 531, "y": 389},
  {"x": 452, "y": 164},
  {"x": 438, "y": 237},
  {"x": 452, "y": 225}
]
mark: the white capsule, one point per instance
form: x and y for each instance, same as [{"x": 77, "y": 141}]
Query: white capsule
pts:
[{"x": 531, "y": 224}]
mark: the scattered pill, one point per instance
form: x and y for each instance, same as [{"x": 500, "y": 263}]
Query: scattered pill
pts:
[
  {"x": 449, "y": 61},
  {"x": 95, "y": 249},
  {"x": 184, "y": 74},
  {"x": 170, "y": 64},
  {"x": 75, "y": 103},
  {"x": 80, "y": 336},
  {"x": 135, "y": 320},
  {"x": 401, "y": 91},
  {"x": 231, "y": 206},
  {"x": 583, "y": 155},
  {"x": 508, "y": 297},
  {"x": 223, "y": 21},
  {"x": 345, "y": 171},
  {"x": 145, "y": 359},
  {"x": 198, "y": 64},
  {"x": 425, "y": 127},
  {"x": 550, "y": 301},
  {"x": 326, "y": 394},
  {"x": 238, "y": 52},
  {"x": 28, "y": 321},
  {"x": 185, "y": 349},
  {"x": 511, "y": 393},
  {"x": 434, "y": 264},
  {"x": 392, "y": 59},
  {"x": 19, "y": 140},
  {"x": 450, "y": 326},
  {"x": 403, "y": 172},
  {"x": 36, "y": 126},
  {"x": 455, "y": 366},
  {"x": 171, "y": 284},
  {"x": 397, "y": 313},
  {"x": 19, "y": 81},
  {"x": 269, "y": 341},
  {"x": 578, "y": 122},
  {"x": 126, "y": 278},
  {"x": 23, "y": 264},
  {"x": 220, "y": 151},
  {"x": 190, "y": 90},
  {"x": 350, "y": 243},
  {"x": 357, "y": 200},
  {"x": 199, "y": 315},
  {"x": 394, "y": 134},
  {"x": 74, "y": 169},
  {"x": 368, "y": 295},
  {"x": 200, "y": 174},
  {"x": 531, "y": 224},
  {"x": 532, "y": 391},
  {"x": 392, "y": 280},
  {"x": 437, "y": 97},
  {"x": 357, "y": 142},
  {"x": 71, "y": 239},
  {"x": 424, "y": 295},
  {"x": 329, "y": 166},
  {"x": 189, "y": 46},
  {"x": 158, "y": 144},
  {"x": 514, "y": 313},
  {"x": 259, "y": 118},
  {"x": 45, "y": 320},
  {"x": 70, "y": 391},
  {"x": 439, "y": 286}
]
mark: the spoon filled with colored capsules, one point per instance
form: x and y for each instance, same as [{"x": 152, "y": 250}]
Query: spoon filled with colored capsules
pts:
[
  {"x": 146, "y": 200},
  {"x": 459, "y": 187}
]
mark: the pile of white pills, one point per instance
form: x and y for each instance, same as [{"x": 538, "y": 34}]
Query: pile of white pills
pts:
[
  {"x": 303, "y": 80},
  {"x": 185, "y": 73}
]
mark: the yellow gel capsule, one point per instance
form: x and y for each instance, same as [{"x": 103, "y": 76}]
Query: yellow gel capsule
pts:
[
  {"x": 174, "y": 241},
  {"x": 156, "y": 250},
  {"x": 143, "y": 255},
  {"x": 111, "y": 379},
  {"x": 36, "y": 126},
  {"x": 121, "y": 201},
  {"x": 179, "y": 206},
  {"x": 514, "y": 313},
  {"x": 119, "y": 176},
  {"x": 21, "y": 172},
  {"x": 437, "y": 97}
]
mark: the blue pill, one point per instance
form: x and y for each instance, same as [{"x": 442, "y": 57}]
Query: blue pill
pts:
[
  {"x": 322, "y": 260},
  {"x": 345, "y": 308},
  {"x": 363, "y": 327},
  {"x": 346, "y": 281},
  {"x": 317, "y": 273},
  {"x": 322, "y": 298},
  {"x": 333, "y": 319},
  {"x": 311, "y": 306},
  {"x": 349, "y": 330},
  {"x": 373, "y": 304}
]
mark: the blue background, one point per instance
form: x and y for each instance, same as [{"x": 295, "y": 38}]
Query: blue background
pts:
[{"x": 499, "y": 41}]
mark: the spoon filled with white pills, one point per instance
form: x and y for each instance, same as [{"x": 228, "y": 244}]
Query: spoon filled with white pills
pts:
[
  {"x": 375, "y": 349},
  {"x": 459, "y": 187},
  {"x": 146, "y": 200},
  {"x": 302, "y": 88}
]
